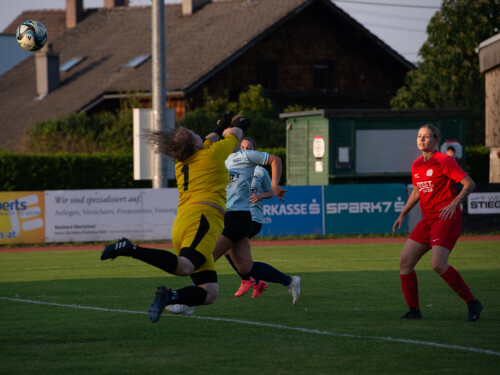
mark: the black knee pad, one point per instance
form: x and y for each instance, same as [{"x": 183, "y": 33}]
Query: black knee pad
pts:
[
  {"x": 204, "y": 277},
  {"x": 197, "y": 258}
]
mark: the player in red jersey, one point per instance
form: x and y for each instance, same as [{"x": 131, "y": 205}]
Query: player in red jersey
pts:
[{"x": 434, "y": 177}]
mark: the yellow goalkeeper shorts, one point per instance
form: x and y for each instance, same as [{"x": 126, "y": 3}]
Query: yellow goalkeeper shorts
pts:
[{"x": 197, "y": 227}]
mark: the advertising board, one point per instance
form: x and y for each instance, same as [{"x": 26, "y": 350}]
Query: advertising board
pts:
[
  {"x": 22, "y": 217},
  {"x": 104, "y": 215},
  {"x": 300, "y": 214},
  {"x": 363, "y": 209},
  {"x": 483, "y": 203}
]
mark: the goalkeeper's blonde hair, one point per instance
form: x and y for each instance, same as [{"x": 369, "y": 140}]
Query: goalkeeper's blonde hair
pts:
[{"x": 177, "y": 144}]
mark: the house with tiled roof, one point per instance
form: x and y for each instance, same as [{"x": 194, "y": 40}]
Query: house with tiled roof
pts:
[{"x": 306, "y": 52}]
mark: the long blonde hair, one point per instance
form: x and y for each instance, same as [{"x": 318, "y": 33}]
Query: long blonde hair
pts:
[{"x": 178, "y": 143}]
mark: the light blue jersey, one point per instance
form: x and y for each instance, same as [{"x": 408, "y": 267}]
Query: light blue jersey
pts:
[
  {"x": 261, "y": 183},
  {"x": 241, "y": 165}
]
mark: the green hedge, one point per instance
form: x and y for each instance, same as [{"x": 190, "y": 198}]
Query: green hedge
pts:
[
  {"x": 20, "y": 172},
  {"x": 67, "y": 171},
  {"x": 477, "y": 163}
]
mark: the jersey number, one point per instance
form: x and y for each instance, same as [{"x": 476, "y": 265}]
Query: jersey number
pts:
[{"x": 185, "y": 171}]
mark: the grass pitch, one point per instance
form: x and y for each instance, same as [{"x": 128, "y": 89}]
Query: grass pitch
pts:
[{"x": 66, "y": 312}]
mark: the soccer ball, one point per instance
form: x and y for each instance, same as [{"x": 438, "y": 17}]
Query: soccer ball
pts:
[{"x": 31, "y": 35}]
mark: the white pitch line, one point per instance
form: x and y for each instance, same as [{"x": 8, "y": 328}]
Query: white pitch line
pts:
[
  {"x": 277, "y": 326},
  {"x": 73, "y": 306}
]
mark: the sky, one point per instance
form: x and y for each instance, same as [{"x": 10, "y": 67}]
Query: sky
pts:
[{"x": 401, "y": 24}]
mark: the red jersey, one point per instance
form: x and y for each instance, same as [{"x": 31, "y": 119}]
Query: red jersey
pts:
[{"x": 436, "y": 179}]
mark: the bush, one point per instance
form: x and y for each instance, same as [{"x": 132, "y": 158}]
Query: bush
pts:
[
  {"x": 35, "y": 172},
  {"x": 255, "y": 106},
  {"x": 22, "y": 172},
  {"x": 103, "y": 132},
  {"x": 115, "y": 171},
  {"x": 477, "y": 163}
]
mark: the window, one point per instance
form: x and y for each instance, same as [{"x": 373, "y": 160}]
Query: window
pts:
[
  {"x": 343, "y": 158},
  {"x": 267, "y": 74},
  {"x": 324, "y": 75},
  {"x": 71, "y": 63},
  {"x": 137, "y": 61}
]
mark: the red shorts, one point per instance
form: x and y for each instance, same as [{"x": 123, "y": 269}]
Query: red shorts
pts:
[{"x": 433, "y": 231}]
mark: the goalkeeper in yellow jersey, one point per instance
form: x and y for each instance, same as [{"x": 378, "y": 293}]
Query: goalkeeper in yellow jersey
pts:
[{"x": 201, "y": 177}]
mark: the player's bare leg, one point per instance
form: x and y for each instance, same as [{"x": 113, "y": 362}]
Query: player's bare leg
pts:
[{"x": 222, "y": 246}]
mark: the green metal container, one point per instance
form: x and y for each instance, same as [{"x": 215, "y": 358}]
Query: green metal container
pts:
[{"x": 362, "y": 146}]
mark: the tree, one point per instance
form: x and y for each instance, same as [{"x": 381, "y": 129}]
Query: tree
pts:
[
  {"x": 105, "y": 132},
  {"x": 254, "y": 100},
  {"x": 255, "y": 106},
  {"x": 448, "y": 76},
  {"x": 109, "y": 132}
]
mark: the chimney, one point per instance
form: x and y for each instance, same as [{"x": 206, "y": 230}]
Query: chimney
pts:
[
  {"x": 74, "y": 12},
  {"x": 47, "y": 71},
  {"x": 115, "y": 3},
  {"x": 191, "y": 6}
]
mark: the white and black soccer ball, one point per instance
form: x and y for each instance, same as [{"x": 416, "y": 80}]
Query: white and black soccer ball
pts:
[{"x": 31, "y": 35}]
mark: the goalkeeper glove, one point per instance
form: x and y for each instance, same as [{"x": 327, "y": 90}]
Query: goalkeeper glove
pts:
[
  {"x": 241, "y": 122},
  {"x": 223, "y": 122}
]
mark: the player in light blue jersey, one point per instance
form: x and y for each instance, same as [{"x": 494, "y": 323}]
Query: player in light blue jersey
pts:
[
  {"x": 235, "y": 238},
  {"x": 261, "y": 189},
  {"x": 241, "y": 165}
]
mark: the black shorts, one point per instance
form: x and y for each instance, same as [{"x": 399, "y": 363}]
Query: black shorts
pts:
[
  {"x": 254, "y": 229},
  {"x": 237, "y": 225}
]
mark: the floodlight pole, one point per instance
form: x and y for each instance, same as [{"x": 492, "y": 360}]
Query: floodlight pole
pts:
[{"x": 158, "y": 120}]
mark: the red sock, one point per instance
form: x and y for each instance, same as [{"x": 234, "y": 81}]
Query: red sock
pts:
[
  {"x": 409, "y": 284},
  {"x": 455, "y": 281}
]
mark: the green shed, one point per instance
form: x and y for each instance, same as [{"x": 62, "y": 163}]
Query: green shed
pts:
[{"x": 327, "y": 147}]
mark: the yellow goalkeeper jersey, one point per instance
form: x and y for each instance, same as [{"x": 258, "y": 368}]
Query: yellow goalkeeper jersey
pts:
[{"x": 203, "y": 177}]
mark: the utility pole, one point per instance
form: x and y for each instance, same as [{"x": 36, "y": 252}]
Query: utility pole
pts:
[{"x": 158, "y": 120}]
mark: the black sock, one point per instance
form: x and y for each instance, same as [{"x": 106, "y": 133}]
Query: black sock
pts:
[
  {"x": 266, "y": 272},
  {"x": 162, "y": 259},
  {"x": 243, "y": 277},
  {"x": 414, "y": 309},
  {"x": 190, "y": 295}
]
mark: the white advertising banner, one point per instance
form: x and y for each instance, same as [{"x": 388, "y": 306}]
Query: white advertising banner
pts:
[
  {"x": 107, "y": 215},
  {"x": 483, "y": 203}
]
